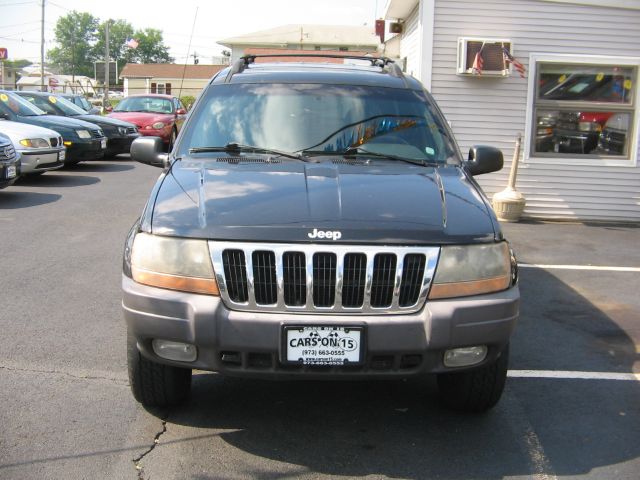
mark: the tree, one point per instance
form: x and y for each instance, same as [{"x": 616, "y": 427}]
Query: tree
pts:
[
  {"x": 151, "y": 47},
  {"x": 75, "y": 34},
  {"x": 119, "y": 32},
  {"x": 80, "y": 38}
]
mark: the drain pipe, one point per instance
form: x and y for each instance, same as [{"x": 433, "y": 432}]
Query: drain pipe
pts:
[{"x": 509, "y": 203}]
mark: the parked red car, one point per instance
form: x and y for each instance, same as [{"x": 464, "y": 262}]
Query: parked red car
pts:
[{"x": 154, "y": 114}]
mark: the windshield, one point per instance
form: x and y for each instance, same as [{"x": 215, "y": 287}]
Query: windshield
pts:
[
  {"x": 67, "y": 106},
  {"x": 321, "y": 119},
  {"x": 55, "y": 105},
  {"x": 13, "y": 104},
  {"x": 145, "y": 104}
]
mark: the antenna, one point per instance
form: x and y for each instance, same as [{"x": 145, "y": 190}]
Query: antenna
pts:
[{"x": 184, "y": 70}]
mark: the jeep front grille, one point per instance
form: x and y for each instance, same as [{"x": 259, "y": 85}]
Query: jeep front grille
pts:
[{"x": 323, "y": 278}]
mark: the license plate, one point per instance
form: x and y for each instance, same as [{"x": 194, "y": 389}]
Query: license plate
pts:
[
  {"x": 62, "y": 155},
  {"x": 103, "y": 143},
  {"x": 323, "y": 345},
  {"x": 11, "y": 171}
]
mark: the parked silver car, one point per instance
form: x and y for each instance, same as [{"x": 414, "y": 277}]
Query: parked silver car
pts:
[{"x": 42, "y": 149}]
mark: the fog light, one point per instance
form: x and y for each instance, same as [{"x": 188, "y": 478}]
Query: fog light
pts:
[
  {"x": 180, "y": 352},
  {"x": 464, "y": 357}
]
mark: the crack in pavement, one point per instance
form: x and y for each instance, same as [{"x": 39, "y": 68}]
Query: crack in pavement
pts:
[
  {"x": 156, "y": 440},
  {"x": 77, "y": 376}
]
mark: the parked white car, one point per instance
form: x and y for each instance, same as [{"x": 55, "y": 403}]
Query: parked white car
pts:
[{"x": 42, "y": 149}]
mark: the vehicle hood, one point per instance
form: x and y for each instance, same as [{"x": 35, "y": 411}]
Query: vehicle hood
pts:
[
  {"x": 142, "y": 119},
  {"x": 18, "y": 131},
  {"x": 55, "y": 121},
  {"x": 100, "y": 120},
  {"x": 285, "y": 202}
]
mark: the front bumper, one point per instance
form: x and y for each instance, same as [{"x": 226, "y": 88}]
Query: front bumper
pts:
[
  {"x": 89, "y": 149},
  {"x": 6, "y": 172},
  {"x": 567, "y": 141},
  {"x": 42, "y": 160},
  {"x": 249, "y": 344},
  {"x": 163, "y": 133},
  {"x": 120, "y": 144}
]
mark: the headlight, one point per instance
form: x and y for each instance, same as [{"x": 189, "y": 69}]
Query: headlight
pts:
[
  {"x": 472, "y": 270},
  {"x": 34, "y": 143},
  {"x": 122, "y": 130},
  {"x": 158, "y": 125},
  {"x": 83, "y": 133},
  {"x": 589, "y": 126},
  {"x": 173, "y": 263}
]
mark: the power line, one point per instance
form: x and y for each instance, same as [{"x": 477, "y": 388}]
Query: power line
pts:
[
  {"x": 13, "y": 35},
  {"x": 19, "y": 24},
  {"x": 60, "y": 6},
  {"x": 22, "y": 40},
  {"x": 18, "y": 3}
]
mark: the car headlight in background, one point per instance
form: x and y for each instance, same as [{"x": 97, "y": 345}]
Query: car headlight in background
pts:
[
  {"x": 173, "y": 263},
  {"x": 34, "y": 143},
  {"x": 158, "y": 125},
  {"x": 589, "y": 126},
  {"x": 83, "y": 133},
  {"x": 465, "y": 270}
]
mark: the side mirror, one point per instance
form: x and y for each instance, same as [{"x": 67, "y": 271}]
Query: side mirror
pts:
[
  {"x": 149, "y": 150},
  {"x": 108, "y": 108},
  {"x": 181, "y": 111},
  {"x": 484, "y": 159}
]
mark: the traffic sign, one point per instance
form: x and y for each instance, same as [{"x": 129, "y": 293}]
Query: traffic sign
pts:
[{"x": 4, "y": 54}]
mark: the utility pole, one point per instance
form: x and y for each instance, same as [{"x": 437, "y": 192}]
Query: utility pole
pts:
[
  {"x": 105, "y": 101},
  {"x": 42, "y": 50}
]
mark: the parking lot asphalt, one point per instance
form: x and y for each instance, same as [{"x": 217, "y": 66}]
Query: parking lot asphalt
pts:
[{"x": 66, "y": 410}]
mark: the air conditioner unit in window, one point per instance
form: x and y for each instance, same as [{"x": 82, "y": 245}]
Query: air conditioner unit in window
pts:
[{"x": 493, "y": 60}]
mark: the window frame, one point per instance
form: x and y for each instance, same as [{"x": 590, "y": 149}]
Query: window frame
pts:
[{"x": 551, "y": 158}]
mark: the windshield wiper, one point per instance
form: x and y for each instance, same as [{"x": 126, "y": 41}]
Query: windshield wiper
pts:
[
  {"x": 361, "y": 151},
  {"x": 238, "y": 147}
]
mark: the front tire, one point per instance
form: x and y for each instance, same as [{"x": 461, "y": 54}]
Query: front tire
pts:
[
  {"x": 475, "y": 390},
  {"x": 154, "y": 384}
]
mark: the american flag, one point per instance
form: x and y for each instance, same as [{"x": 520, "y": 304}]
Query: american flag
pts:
[
  {"x": 132, "y": 43},
  {"x": 478, "y": 62},
  {"x": 508, "y": 58}
]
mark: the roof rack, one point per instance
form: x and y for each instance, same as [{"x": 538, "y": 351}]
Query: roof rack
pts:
[{"x": 382, "y": 62}]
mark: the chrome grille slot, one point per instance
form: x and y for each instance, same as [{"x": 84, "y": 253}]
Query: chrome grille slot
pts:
[
  {"x": 384, "y": 271},
  {"x": 264, "y": 277},
  {"x": 53, "y": 142},
  {"x": 295, "y": 282},
  {"x": 412, "y": 273},
  {"x": 354, "y": 280},
  {"x": 235, "y": 272},
  {"x": 323, "y": 278},
  {"x": 7, "y": 152}
]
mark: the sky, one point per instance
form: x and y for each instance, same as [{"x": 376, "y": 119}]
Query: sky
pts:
[{"x": 215, "y": 20}]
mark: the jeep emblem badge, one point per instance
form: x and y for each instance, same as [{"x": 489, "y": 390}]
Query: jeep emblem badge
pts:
[{"x": 328, "y": 234}]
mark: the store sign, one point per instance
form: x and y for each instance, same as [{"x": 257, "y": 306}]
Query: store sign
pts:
[{"x": 4, "y": 54}]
